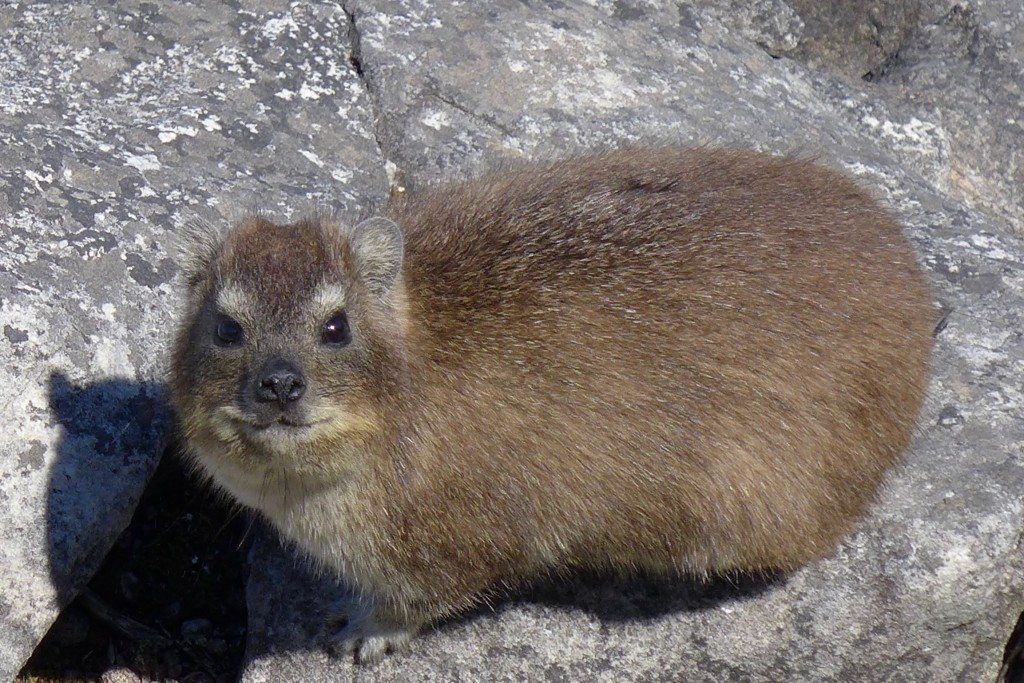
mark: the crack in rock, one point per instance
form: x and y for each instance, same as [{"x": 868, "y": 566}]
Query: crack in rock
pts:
[
  {"x": 355, "y": 60},
  {"x": 482, "y": 118}
]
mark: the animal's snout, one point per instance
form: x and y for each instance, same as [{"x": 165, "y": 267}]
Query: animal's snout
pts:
[{"x": 281, "y": 382}]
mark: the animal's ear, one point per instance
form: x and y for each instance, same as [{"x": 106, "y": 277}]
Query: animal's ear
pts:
[
  {"x": 195, "y": 247},
  {"x": 378, "y": 246}
]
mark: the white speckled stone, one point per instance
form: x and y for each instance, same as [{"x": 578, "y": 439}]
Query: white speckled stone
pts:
[{"x": 117, "y": 124}]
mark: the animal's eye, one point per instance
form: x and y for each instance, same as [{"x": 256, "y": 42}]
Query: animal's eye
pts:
[
  {"x": 229, "y": 332},
  {"x": 336, "y": 331}
]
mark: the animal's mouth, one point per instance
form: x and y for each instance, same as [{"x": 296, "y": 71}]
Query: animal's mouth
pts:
[
  {"x": 280, "y": 424},
  {"x": 280, "y": 428},
  {"x": 283, "y": 422},
  {"x": 287, "y": 430},
  {"x": 282, "y": 433}
]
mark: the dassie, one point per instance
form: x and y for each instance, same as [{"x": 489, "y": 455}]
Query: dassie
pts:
[{"x": 656, "y": 360}]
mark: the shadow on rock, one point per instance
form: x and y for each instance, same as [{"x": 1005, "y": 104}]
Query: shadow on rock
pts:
[
  {"x": 639, "y": 597},
  {"x": 291, "y": 604},
  {"x": 113, "y": 433},
  {"x": 642, "y": 597}
]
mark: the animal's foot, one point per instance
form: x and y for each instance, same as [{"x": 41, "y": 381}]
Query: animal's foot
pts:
[{"x": 368, "y": 636}]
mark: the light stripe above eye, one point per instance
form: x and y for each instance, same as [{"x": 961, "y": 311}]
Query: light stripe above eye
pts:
[
  {"x": 328, "y": 298},
  {"x": 232, "y": 301}
]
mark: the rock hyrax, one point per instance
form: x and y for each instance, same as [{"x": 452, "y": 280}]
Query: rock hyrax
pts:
[{"x": 647, "y": 360}]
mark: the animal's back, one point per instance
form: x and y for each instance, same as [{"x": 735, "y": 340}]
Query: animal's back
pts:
[{"x": 666, "y": 359}]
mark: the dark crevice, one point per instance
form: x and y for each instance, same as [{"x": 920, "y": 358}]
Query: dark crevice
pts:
[
  {"x": 355, "y": 57},
  {"x": 890, "y": 64},
  {"x": 1013, "y": 655},
  {"x": 357, "y": 65},
  {"x": 960, "y": 17},
  {"x": 891, "y": 59},
  {"x": 355, "y": 60},
  {"x": 1012, "y": 669}
]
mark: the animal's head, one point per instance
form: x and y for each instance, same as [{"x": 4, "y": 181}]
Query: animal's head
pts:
[{"x": 290, "y": 344}]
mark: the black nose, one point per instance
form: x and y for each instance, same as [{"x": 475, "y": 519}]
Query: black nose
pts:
[{"x": 280, "y": 381}]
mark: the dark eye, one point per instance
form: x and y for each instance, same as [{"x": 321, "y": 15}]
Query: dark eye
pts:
[
  {"x": 335, "y": 331},
  {"x": 229, "y": 332}
]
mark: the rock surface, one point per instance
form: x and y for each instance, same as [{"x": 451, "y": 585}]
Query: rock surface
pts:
[
  {"x": 121, "y": 122},
  {"x": 930, "y": 585},
  {"x": 965, "y": 70},
  {"x": 957, "y": 65},
  {"x": 117, "y": 124}
]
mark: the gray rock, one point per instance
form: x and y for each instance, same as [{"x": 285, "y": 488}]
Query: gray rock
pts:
[
  {"x": 856, "y": 37},
  {"x": 118, "y": 123},
  {"x": 927, "y": 588},
  {"x": 967, "y": 66},
  {"x": 958, "y": 66},
  {"x": 121, "y": 675},
  {"x": 771, "y": 24}
]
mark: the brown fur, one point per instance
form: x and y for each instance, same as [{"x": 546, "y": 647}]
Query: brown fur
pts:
[{"x": 657, "y": 360}]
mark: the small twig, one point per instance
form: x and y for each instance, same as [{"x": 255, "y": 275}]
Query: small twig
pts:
[
  {"x": 945, "y": 312},
  {"x": 123, "y": 624},
  {"x": 138, "y": 632}
]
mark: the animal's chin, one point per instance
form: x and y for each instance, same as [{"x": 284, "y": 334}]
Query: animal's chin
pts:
[{"x": 246, "y": 456}]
